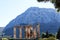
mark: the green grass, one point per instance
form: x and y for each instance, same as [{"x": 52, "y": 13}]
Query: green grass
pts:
[
  {"x": 50, "y": 38},
  {"x": 4, "y": 39}
]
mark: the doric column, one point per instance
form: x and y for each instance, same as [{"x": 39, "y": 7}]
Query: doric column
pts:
[
  {"x": 29, "y": 30},
  {"x": 26, "y": 32},
  {"x": 34, "y": 33},
  {"x": 45, "y": 0},
  {"x": 14, "y": 32},
  {"x": 20, "y": 35},
  {"x": 38, "y": 30},
  {"x": 50, "y": 0}
]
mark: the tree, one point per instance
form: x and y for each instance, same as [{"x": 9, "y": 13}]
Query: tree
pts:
[
  {"x": 57, "y": 4},
  {"x": 58, "y": 34},
  {"x": 51, "y": 35},
  {"x": 42, "y": 0},
  {"x": 43, "y": 35},
  {"x": 47, "y": 34}
]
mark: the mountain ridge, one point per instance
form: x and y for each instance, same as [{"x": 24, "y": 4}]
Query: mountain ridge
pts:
[{"x": 33, "y": 15}]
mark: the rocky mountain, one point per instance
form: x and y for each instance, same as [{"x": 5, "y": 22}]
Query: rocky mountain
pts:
[
  {"x": 1, "y": 30},
  {"x": 48, "y": 19}
]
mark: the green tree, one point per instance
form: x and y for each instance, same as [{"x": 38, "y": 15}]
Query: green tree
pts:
[
  {"x": 58, "y": 34},
  {"x": 47, "y": 34},
  {"x": 40, "y": 0},
  {"x": 43, "y": 35},
  {"x": 57, "y": 4},
  {"x": 51, "y": 35}
]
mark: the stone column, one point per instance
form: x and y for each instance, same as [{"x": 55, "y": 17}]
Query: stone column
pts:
[
  {"x": 29, "y": 31},
  {"x": 38, "y": 30},
  {"x": 34, "y": 33},
  {"x": 20, "y": 35},
  {"x": 26, "y": 32},
  {"x": 14, "y": 32},
  {"x": 51, "y": 0},
  {"x": 45, "y": 0}
]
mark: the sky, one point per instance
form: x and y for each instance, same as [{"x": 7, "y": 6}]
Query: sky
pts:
[{"x": 10, "y": 9}]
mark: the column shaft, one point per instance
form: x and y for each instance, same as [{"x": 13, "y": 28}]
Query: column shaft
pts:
[
  {"x": 38, "y": 30},
  {"x": 14, "y": 32},
  {"x": 20, "y": 35},
  {"x": 34, "y": 33}
]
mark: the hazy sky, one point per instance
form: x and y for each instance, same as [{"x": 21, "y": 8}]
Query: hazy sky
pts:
[{"x": 9, "y": 9}]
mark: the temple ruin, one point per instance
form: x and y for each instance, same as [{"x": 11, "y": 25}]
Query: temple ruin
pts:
[{"x": 30, "y": 32}]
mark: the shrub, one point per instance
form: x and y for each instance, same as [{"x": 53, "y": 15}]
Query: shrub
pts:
[{"x": 51, "y": 38}]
